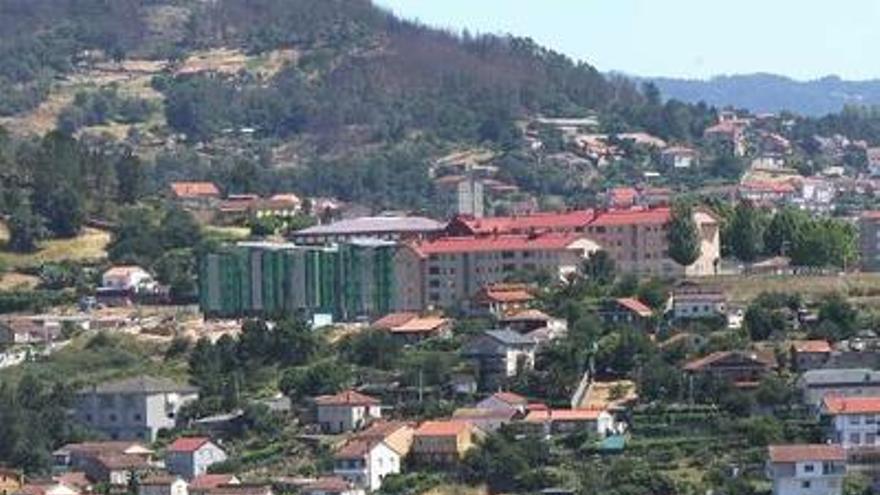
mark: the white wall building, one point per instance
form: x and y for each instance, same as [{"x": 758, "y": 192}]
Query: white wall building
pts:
[
  {"x": 853, "y": 420},
  {"x": 807, "y": 469},
  {"x": 126, "y": 278},
  {"x": 347, "y": 411},
  {"x": 366, "y": 462}
]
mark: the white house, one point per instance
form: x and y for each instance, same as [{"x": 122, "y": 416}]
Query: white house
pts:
[
  {"x": 694, "y": 302},
  {"x": 163, "y": 485},
  {"x": 126, "y": 278},
  {"x": 366, "y": 462},
  {"x": 807, "y": 469},
  {"x": 678, "y": 157},
  {"x": 853, "y": 420},
  {"x": 133, "y": 408},
  {"x": 347, "y": 411},
  {"x": 190, "y": 457},
  {"x": 499, "y": 355}
]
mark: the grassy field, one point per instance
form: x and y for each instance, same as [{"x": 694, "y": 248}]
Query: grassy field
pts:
[
  {"x": 91, "y": 245},
  {"x": 90, "y": 360},
  {"x": 741, "y": 289}
]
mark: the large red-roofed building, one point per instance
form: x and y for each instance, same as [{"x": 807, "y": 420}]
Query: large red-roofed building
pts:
[{"x": 451, "y": 270}]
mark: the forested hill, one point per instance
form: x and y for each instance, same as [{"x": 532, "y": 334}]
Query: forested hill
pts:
[
  {"x": 355, "y": 65},
  {"x": 772, "y": 93}
]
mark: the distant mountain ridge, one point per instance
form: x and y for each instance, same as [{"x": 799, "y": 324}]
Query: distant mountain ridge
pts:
[{"x": 773, "y": 93}]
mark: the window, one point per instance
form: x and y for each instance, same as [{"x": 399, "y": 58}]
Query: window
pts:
[
  {"x": 433, "y": 270},
  {"x": 112, "y": 418},
  {"x": 855, "y": 438},
  {"x": 137, "y": 417},
  {"x": 809, "y": 468},
  {"x": 870, "y": 438},
  {"x": 805, "y": 485},
  {"x": 855, "y": 419}
]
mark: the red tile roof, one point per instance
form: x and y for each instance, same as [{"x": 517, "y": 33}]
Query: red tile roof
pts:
[
  {"x": 707, "y": 361},
  {"x": 445, "y": 428},
  {"x": 527, "y": 315},
  {"x": 870, "y": 215},
  {"x": 635, "y": 306},
  {"x": 807, "y": 452},
  {"x": 851, "y": 405},
  {"x": 194, "y": 189},
  {"x": 506, "y": 293},
  {"x": 450, "y": 245},
  {"x": 548, "y": 415},
  {"x": 817, "y": 346},
  {"x": 632, "y": 216},
  {"x": 426, "y": 325},
  {"x": 188, "y": 444},
  {"x": 392, "y": 320},
  {"x": 347, "y": 398},
  {"x": 541, "y": 222},
  {"x": 356, "y": 448},
  {"x": 207, "y": 481}
]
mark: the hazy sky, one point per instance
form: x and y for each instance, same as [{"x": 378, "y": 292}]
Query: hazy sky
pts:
[{"x": 803, "y": 39}]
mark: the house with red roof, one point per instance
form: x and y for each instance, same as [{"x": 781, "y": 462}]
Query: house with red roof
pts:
[
  {"x": 202, "y": 198},
  {"x": 626, "y": 311},
  {"x": 410, "y": 328},
  {"x": 347, "y": 411},
  {"x": 806, "y": 469},
  {"x": 443, "y": 442},
  {"x": 190, "y": 457},
  {"x": 330, "y": 485},
  {"x": 852, "y": 420},
  {"x": 565, "y": 421},
  {"x": 810, "y": 354},
  {"x": 502, "y": 299},
  {"x": 368, "y": 457},
  {"x": 745, "y": 369}
]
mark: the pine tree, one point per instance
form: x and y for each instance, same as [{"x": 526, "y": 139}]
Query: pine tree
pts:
[{"x": 683, "y": 235}]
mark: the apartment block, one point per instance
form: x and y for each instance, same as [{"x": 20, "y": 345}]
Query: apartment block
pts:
[
  {"x": 635, "y": 237},
  {"x": 450, "y": 271},
  {"x": 270, "y": 279}
]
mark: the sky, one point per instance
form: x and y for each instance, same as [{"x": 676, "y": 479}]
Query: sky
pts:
[{"x": 802, "y": 39}]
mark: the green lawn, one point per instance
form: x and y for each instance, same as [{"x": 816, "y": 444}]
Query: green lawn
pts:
[
  {"x": 90, "y": 246},
  {"x": 86, "y": 360},
  {"x": 742, "y": 289}
]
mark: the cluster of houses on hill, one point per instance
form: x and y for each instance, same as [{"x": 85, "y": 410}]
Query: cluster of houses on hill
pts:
[
  {"x": 367, "y": 446},
  {"x": 845, "y": 399}
]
